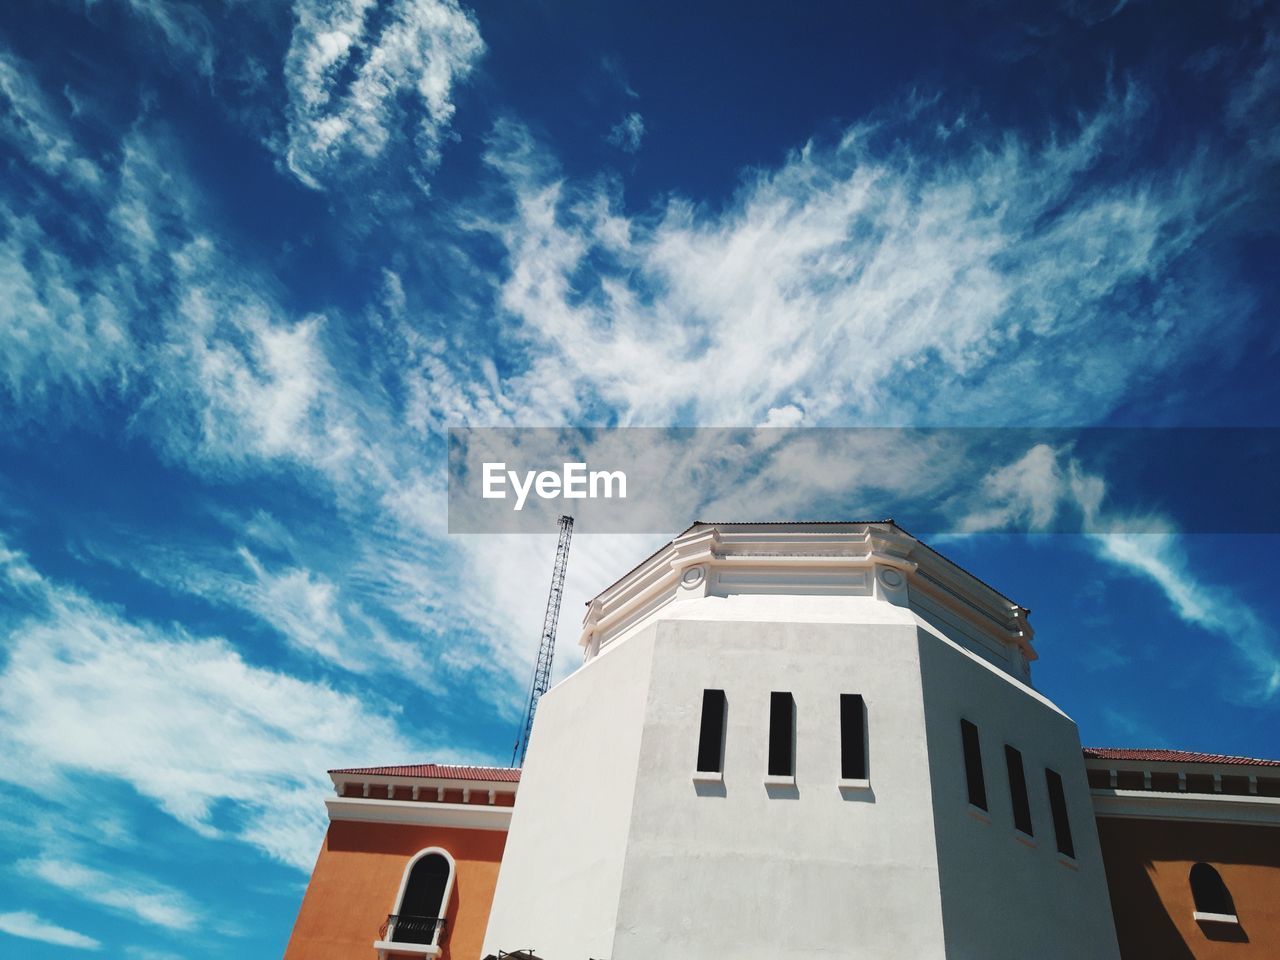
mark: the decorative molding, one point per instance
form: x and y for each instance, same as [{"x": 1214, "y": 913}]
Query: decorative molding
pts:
[
  {"x": 465, "y": 816},
  {"x": 891, "y": 578},
  {"x": 693, "y": 576},
  {"x": 802, "y": 558},
  {"x": 1204, "y": 807}
]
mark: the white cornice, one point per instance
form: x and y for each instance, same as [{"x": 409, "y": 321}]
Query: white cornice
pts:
[
  {"x": 1205, "y": 807},
  {"x": 467, "y": 816},
  {"x": 797, "y": 548}
]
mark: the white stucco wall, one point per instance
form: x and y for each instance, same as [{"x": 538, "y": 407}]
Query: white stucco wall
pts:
[
  {"x": 1002, "y": 898},
  {"x": 616, "y": 852},
  {"x": 561, "y": 871},
  {"x": 753, "y": 873}
]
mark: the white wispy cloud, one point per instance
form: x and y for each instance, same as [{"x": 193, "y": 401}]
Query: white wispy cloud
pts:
[
  {"x": 32, "y": 124},
  {"x": 1045, "y": 483},
  {"x": 59, "y": 338},
  {"x": 144, "y": 900},
  {"x": 186, "y": 721},
  {"x": 627, "y": 133},
  {"x": 843, "y": 286},
  {"x": 858, "y": 282},
  {"x": 58, "y": 343},
  {"x": 311, "y": 611},
  {"x": 1252, "y": 107},
  {"x": 29, "y": 926},
  {"x": 145, "y": 953},
  {"x": 349, "y": 73},
  {"x": 184, "y": 29},
  {"x": 1161, "y": 557}
]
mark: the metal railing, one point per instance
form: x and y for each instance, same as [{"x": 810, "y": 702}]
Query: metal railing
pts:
[{"x": 401, "y": 928}]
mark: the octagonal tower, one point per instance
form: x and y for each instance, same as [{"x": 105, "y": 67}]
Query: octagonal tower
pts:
[{"x": 799, "y": 740}]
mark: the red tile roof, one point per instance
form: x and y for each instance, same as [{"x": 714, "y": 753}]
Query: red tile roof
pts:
[
  {"x": 1171, "y": 756},
  {"x": 440, "y": 770}
]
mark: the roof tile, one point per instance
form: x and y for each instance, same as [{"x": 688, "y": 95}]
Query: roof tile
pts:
[
  {"x": 440, "y": 770},
  {"x": 1171, "y": 756}
]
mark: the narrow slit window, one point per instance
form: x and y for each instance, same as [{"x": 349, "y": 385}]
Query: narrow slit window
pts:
[
  {"x": 1018, "y": 790},
  {"x": 782, "y": 735},
  {"x": 853, "y": 737},
  {"x": 973, "y": 765},
  {"x": 711, "y": 734},
  {"x": 1058, "y": 809}
]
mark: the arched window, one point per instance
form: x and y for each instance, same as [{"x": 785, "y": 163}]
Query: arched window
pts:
[
  {"x": 424, "y": 896},
  {"x": 1212, "y": 898}
]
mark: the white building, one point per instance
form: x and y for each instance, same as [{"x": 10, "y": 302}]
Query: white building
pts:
[{"x": 802, "y": 740}]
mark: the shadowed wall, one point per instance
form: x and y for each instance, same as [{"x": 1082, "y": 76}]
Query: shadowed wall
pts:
[{"x": 1148, "y": 863}]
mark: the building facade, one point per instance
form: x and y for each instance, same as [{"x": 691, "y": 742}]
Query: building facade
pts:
[{"x": 790, "y": 740}]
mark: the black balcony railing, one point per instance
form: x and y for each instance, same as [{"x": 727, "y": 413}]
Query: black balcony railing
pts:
[{"x": 401, "y": 928}]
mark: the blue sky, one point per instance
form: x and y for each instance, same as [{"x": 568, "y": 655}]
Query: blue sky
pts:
[{"x": 255, "y": 257}]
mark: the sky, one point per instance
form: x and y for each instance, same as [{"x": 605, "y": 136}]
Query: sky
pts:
[{"x": 255, "y": 258}]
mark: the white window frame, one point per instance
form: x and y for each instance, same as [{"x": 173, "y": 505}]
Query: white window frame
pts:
[{"x": 432, "y": 949}]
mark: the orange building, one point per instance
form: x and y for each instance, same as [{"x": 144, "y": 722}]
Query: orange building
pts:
[
  {"x": 1190, "y": 842},
  {"x": 1191, "y": 846},
  {"x": 408, "y": 865}
]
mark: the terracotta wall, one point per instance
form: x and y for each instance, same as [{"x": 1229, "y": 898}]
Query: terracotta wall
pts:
[
  {"x": 357, "y": 877},
  {"x": 1148, "y": 863}
]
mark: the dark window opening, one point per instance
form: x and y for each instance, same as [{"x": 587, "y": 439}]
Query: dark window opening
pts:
[
  {"x": 853, "y": 737},
  {"x": 1209, "y": 892},
  {"x": 422, "y": 905},
  {"x": 711, "y": 733},
  {"x": 1018, "y": 790},
  {"x": 782, "y": 735},
  {"x": 1058, "y": 809},
  {"x": 973, "y": 765}
]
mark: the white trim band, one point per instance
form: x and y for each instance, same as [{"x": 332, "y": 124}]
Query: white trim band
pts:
[
  {"x": 1208, "y": 807},
  {"x": 465, "y": 816}
]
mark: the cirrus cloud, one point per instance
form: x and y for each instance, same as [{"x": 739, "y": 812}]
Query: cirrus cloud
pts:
[{"x": 358, "y": 75}]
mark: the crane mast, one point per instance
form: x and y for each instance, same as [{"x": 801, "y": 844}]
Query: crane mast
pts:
[{"x": 547, "y": 644}]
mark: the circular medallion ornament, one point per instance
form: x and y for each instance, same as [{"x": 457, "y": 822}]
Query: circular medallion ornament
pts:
[
  {"x": 693, "y": 576},
  {"x": 891, "y": 578}
]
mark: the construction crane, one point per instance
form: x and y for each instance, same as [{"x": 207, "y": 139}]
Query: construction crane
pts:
[{"x": 547, "y": 644}]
